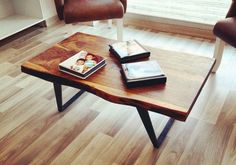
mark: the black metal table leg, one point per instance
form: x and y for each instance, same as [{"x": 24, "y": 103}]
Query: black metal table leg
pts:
[
  {"x": 144, "y": 115},
  {"x": 58, "y": 93}
]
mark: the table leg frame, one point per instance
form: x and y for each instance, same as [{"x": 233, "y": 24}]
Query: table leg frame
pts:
[
  {"x": 144, "y": 115},
  {"x": 58, "y": 93}
]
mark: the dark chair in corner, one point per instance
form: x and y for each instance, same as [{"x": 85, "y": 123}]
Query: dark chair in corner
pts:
[
  {"x": 73, "y": 11},
  {"x": 225, "y": 31}
]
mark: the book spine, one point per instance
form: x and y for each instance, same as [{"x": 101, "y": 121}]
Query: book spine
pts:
[
  {"x": 146, "y": 82},
  {"x": 129, "y": 58},
  {"x": 113, "y": 52},
  {"x": 135, "y": 57},
  {"x": 71, "y": 71},
  {"x": 143, "y": 83}
]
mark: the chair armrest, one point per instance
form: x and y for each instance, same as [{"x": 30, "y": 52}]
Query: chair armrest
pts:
[
  {"x": 59, "y": 7},
  {"x": 124, "y": 2},
  {"x": 232, "y": 9}
]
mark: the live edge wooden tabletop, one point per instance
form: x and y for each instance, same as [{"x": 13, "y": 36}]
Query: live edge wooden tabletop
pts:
[{"x": 186, "y": 75}]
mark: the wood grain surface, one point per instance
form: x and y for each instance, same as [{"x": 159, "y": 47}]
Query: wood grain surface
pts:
[{"x": 186, "y": 76}]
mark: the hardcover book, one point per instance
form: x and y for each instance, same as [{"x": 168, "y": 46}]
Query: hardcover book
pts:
[
  {"x": 128, "y": 51},
  {"x": 142, "y": 73},
  {"x": 82, "y": 64}
]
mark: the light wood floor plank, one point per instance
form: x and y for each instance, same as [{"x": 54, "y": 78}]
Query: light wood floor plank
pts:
[
  {"x": 134, "y": 145},
  {"x": 56, "y": 140},
  {"x": 109, "y": 116},
  {"x": 230, "y": 152},
  {"x": 21, "y": 96},
  {"x": 108, "y": 155},
  {"x": 95, "y": 131},
  {"x": 195, "y": 151},
  {"x": 93, "y": 149},
  {"x": 178, "y": 143},
  {"x": 20, "y": 133}
]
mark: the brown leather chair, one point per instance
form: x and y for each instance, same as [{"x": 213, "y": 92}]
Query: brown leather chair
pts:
[
  {"x": 73, "y": 11},
  {"x": 225, "y": 31}
]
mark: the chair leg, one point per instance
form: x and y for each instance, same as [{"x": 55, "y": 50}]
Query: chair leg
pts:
[
  {"x": 218, "y": 52},
  {"x": 119, "y": 23},
  {"x": 69, "y": 29},
  {"x": 95, "y": 23},
  {"x": 110, "y": 23}
]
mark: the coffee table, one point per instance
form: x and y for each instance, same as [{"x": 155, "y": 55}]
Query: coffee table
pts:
[{"x": 186, "y": 76}]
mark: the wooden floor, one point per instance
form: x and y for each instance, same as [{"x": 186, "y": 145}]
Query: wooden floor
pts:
[
  {"x": 197, "y": 11},
  {"x": 94, "y": 131}
]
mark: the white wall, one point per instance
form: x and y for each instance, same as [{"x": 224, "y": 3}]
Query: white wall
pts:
[
  {"x": 28, "y": 8},
  {"x": 48, "y": 8},
  {"x": 6, "y": 8}
]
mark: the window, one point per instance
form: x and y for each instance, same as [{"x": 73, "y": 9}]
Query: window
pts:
[{"x": 197, "y": 11}]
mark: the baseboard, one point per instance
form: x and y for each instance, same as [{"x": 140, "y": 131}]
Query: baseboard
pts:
[{"x": 170, "y": 25}]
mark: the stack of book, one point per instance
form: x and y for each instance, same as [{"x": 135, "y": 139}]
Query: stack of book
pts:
[
  {"x": 82, "y": 64},
  {"x": 139, "y": 73}
]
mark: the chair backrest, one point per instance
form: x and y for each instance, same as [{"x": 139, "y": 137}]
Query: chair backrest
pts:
[
  {"x": 226, "y": 29},
  {"x": 232, "y": 9},
  {"x": 124, "y": 2},
  {"x": 60, "y": 6}
]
